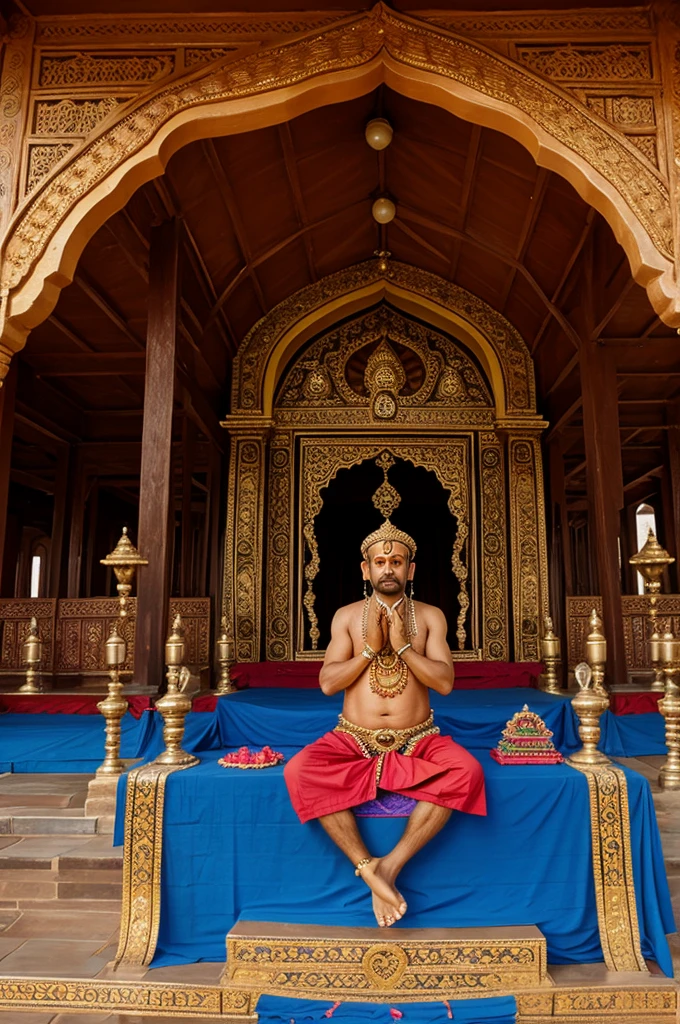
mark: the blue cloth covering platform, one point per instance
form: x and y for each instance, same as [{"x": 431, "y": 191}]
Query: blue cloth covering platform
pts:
[
  {"x": 65, "y": 743},
  {"x": 233, "y": 848},
  {"x": 485, "y": 1010}
]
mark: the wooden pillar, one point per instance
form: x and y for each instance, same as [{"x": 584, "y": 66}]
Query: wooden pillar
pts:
[
  {"x": 155, "y": 538},
  {"x": 605, "y": 490},
  {"x": 673, "y": 522},
  {"x": 77, "y": 497},
  {"x": 7, "y": 402},
  {"x": 58, "y": 521},
  {"x": 186, "y": 569}
]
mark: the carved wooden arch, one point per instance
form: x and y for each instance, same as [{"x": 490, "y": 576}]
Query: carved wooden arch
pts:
[
  {"x": 336, "y": 63},
  {"x": 268, "y": 348}
]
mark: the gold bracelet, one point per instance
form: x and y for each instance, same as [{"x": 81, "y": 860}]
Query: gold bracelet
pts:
[
  {"x": 358, "y": 868},
  {"x": 402, "y": 649},
  {"x": 368, "y": 653}
]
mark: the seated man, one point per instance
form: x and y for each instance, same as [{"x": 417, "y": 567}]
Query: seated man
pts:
[{"x": 385, "y": 652}]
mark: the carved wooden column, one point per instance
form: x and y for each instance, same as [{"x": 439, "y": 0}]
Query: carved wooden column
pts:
[
  {"x": 280, "y": 533},
  {"x": 155, "y": 537},
  {"x": 605, "y": 490},
  {"x": 243, "y": 571},
  {"x": 7, "y": 402},
  {"x": 59, "y": 520},
  {"x": 528, "y": 549}
]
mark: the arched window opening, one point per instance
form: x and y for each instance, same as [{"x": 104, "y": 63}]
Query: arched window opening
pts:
[
  {"x": 645, "y": 519},
  {"x": 36, "y": 568}
]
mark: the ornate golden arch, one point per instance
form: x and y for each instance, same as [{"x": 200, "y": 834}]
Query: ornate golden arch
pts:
[
  {"x": 268, "y": 435},
  {"x": 336, "y": 63}
]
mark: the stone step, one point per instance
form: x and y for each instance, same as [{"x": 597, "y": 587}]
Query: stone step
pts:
[
  {"x": 65, "y": 790},
  {"x": 46, "y": 821},
  {"x": 63, "y": 867}
]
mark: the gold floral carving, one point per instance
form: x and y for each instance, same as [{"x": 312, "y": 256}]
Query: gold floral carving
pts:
[
  {"x": 527, "y": 542},
  {"x": 15, "y": 616},
  {"x": 204, "y": 54},
  {"x": 448, "y": 459},
  {"x": 605, "y": 1005},
  {"x": 610, "y": 62},
  {"x": 279, "y": 549},
  {"x": 647, "y": 146},
  {"x": 613, "y": 868},
  {"x": 352, "y": 43},
  {"x": 42, "y": 158},
  {"x": 72, "y": 117},
  {"x": 142, "y": 855},
  {"x": 407, "y": 969},
  {"x": 80, "y": 69},
  {"x": 14, "y": 87},
  {"x": 493, "y": 549},
  {"x": 159, "y": 1000},
  {"x": 528, "y": 23},
  {"x": 123, "y": 29},
  {"x": 251, "y": 360}
]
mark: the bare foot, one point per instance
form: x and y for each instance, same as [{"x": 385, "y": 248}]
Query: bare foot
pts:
[{"x": 388, "y": 903}]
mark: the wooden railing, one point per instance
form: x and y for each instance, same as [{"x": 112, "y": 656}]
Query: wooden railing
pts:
[
  {"x": 635, "y": 626},
  {"x": 74, "y": 632}
]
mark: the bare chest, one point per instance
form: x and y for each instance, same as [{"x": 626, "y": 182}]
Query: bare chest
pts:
[{"x": 416, "y": 630}]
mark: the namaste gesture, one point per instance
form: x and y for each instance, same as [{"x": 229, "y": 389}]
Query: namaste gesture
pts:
[{"x": 386, "y": 653}]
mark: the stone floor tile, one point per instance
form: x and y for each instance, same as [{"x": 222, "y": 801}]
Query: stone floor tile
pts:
[
  {"x": 10, "y": 1017},
  {"x": 7, "y": 918},
  {"x": 200, "y": 974},
  {"x": 6, "y": 841},
  {"x": 56, "y": 924},
  {"x": 8, "y": 946},
  {"x": 53, "y": 958},
  {"x": 82, "y": 1018},
  {"x": 40, "y": 850}
]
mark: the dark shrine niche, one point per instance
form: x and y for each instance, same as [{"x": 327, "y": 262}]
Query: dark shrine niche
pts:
[{"x": 348, "y": 515}]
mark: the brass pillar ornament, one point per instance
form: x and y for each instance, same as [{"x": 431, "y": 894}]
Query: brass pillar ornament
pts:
[
  {"x": 174, "y": 705},
  {"x": 596, "y": 653},
  {"x": 32, "y": 651},
  {"x": 588, "y": 704},
  {"x": 650, "y": 562},
  {"x": 114, "y": 705},
  {"x": 669, "y": 706},
  {"x": 550, "y": 653},
  {"x": 225, "y": 659},
  {"x": 124, "y": 560}
]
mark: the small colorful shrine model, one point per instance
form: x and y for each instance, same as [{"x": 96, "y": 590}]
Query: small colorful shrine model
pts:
[{"x": 526, "y": 740}]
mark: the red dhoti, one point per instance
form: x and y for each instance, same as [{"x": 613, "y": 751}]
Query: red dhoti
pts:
[{"x": 338, "y": 772}]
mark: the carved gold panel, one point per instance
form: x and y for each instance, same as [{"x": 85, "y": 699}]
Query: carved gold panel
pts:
[
  {"x": 528, "y": 546},
  {"x": 493, "y": 544},
  {"x": 449, "y": 458},
  {"x": 280, "y": 548},
  {"x": 635, "y": 608},
  {"x": 15, "y": 616}
]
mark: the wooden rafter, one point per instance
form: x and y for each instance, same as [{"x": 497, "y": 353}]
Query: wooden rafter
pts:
[
  {"x": 569, "y": 266},
  {"x": 526, "y": 234},
  {"x": 106, "y": 306},
  {"x": 290, "y": 163},
  {"x": 469, "y": 178}
]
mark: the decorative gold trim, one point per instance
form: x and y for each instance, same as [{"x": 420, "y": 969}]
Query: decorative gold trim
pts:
[
  {"x": 142, "y": 854},
  {"x": 322, "y": 459},
  {"x": 280, "y": 537},
  {"x": 493, "y": 543},
  {"x": 528, "y": 543},
  {"x": 613, "y": 868}
]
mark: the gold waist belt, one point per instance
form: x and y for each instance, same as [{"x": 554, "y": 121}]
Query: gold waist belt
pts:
[{"x": 373, "y": 742}]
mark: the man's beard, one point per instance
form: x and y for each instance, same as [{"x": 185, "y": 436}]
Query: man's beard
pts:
[{"x": 391, "y": 585}]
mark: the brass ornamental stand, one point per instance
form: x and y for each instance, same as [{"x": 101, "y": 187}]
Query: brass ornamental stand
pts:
[
  {"x": 174, "y": 705},
  {"x": 550, "y": 652},
  {"x": 114, "y": 706},
  {"x": 669, "y": 706},
  {"x": 225, "y": 659},
  {"x": 32, "y": 651},
  {"x": 650, "y": 562},
  {"x": 124, "y": 560},
  {"x": 596, "y": 653},
  {"x": 589, "y": 705}
]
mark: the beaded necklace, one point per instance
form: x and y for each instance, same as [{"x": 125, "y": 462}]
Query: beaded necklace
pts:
[{"x": 388, "y": 673}]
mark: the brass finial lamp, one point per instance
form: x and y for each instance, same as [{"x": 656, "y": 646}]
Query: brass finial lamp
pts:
[
  {"x": 550, "y": 653},
  {"x": 589, "y": 705},
  {"x": 669, "y": 706},
  {"x": 114, "y": 706},
  {"x": 32, "y": 649},
  {"x": 651, "y": 561},
  {"x": 225, "y": 659},
  {"x": 174, "y": 705},
  {"x": 596, "y": 653},
  {"x": 124, "y": 560}
]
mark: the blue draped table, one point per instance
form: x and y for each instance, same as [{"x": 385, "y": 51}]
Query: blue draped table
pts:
[
  {"x": 483, "y": 1010},
  {"x": 233, "y": 848},
  {"x": 66, "y": 743}
]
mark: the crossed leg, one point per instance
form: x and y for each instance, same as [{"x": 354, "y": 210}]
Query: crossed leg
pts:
[{"x": 381, "y": 873}]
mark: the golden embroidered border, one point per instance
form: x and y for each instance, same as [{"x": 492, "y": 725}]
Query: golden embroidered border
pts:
[
  {"x": 142, "y": 854},
  {"x": 613, "y": 868}
]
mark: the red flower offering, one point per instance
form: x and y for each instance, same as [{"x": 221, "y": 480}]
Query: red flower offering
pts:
[{"x": 246, "y": 758}]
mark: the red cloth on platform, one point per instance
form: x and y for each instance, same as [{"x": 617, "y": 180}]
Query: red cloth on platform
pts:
[
  {"x": 332, "y": 775},
  {"x": 304, "y": 675},
  {"x": 66, "y": 703},
  {"x": 641, "y": 703}
]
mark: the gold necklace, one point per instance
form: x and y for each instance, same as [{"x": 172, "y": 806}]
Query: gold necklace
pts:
[{"x": 388, "y": 673}]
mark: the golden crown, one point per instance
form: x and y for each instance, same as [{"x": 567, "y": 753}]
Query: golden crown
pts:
[{"x": 389, "y": 533}]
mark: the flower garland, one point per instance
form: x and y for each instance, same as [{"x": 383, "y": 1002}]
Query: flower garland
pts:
[{"x": 245, "y": 758}]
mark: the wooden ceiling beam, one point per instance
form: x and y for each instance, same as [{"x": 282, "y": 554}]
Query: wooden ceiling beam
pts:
[
  {"x": 571, "y": 262},
  {"x": 200, "y": 410},
  {"x": 615, "y": 301},
  {"x": 564, "y": 418},
  {"x": 655, "y": 472},
  {"x": 89, "y": 288},
  {"x": 86, "y": 364},
  {"x": 290, "y": 163},
  {"x": 407, "y": 212},
  {"x": 37, "y": 483},
  {"x": 467, "y": 189},
  {"x": 526, "y": 234},
  {"x": 69, "y": 333},
  {"x": 229, "y": 199},
  {"x": 562, "y": 376},
  {"x": 36, "y": 433}
]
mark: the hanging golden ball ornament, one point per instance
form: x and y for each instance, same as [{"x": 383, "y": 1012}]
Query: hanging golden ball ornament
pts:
[
  {"x": 379, "y": 133},
  {"x": 383, "y": 210}
]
